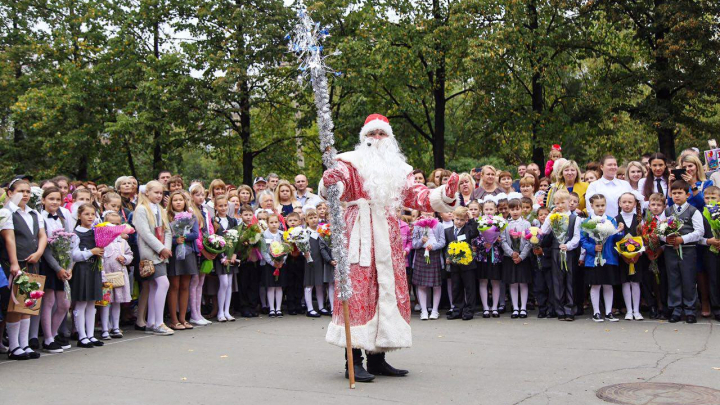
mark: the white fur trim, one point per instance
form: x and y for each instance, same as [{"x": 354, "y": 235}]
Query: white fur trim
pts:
[
  {"x": 387, "y": 330},
  {"x": 440, "y": 202},
  {"x": 322, "y": 190},
  {"x": 376, "y": 124}
]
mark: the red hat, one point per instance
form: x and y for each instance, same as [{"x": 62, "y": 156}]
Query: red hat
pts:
[
  {"x": 556, "y": 147},
  {"x": 376, "y": 121}
]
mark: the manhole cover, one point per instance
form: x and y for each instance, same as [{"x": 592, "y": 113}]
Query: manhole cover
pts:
[{"x": 659, "y": 393}]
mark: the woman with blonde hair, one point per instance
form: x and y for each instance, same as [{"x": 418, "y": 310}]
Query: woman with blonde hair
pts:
[
  {"x": 125, "y": 186},
  {"x": 634, "y": 173},
  {"x": 569, "y": 178},
  {"x": 488, "y": 184},
  {"x": 154, "y": 243},
  {"x": 284, "y": 198},
  {"x": 465, "y": 188}
]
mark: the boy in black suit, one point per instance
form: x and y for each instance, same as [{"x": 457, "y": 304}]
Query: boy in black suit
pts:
[{"x": 463, "y": 276}]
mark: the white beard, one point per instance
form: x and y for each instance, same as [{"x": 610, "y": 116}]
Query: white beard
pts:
[{"x": 383, "y": 170}]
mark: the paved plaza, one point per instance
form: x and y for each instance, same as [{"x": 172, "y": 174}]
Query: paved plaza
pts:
[{"x": 286, "y": 361}]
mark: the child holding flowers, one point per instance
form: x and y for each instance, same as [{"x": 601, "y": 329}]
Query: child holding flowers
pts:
[
  {"x": 517, "y": 272},
  {"x": 630, "y": 218},
  {"x": 601, "y": 260},
  {"x": 116, "y": 256},
  {"x": 25, "y": 241},
  {"x": 562, "y": 230},
  {"x": 462, "y": 266},
  {"x": 428, "y": 239},
  {"x": 86, "y": 287},
  {"x": 55, "y": 266},
  {"x": 273, "y": 261},
  {"x": 197, "y": 197},
  {"x": 487, "y": 246},
  {"x": 249, "y": 271},
  {"x": 314, "y": 270},
  {"x": 183, "y": 263},
  {"x": 225, "y": 263}
]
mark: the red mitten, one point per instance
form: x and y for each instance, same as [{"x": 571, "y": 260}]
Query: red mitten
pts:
[{"x": 451, "y": 187}]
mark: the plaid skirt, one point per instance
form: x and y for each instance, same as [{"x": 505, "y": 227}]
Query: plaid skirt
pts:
[{"x": 427, "y": 274}]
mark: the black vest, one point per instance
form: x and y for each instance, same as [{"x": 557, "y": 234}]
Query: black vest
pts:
[
  {"x": 555, "y": 244},
  {"x": 86, "y": 242},
  {"x": 26, "y": 242}
]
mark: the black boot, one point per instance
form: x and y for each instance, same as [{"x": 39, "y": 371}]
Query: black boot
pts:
[
  {"x": 378, "y": 366},
  {"x": 361, "y": 375}
]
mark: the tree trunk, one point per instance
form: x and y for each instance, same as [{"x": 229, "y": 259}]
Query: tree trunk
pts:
[
  {"x": 663, "y": 95},
  {"x": 157, "y": 141},
  {"x": 439, "y": 95},
  {"x": 537, "y": 96},
  {"x": 131, "y": 162},
  {"x": 247, "y": 154}
]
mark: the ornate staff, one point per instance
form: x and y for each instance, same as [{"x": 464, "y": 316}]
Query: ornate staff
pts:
[{"x": 305, "y": 43}]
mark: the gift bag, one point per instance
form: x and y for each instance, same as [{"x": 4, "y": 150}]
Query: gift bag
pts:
[
  {"x": 22, "y": 304},
  {"x": 106, "y": 290}
]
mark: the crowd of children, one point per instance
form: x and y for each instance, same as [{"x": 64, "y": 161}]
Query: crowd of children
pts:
[{"x": 548, "y": 243}]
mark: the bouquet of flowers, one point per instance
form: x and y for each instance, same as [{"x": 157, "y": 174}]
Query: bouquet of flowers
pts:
[
  {"x": 515, "y": 236},
  {"x": 324, "y": 231},
  {"x": 670, "y": 227},
  {"x": 599, "y": 229},
  {"x": 181, "y": 226},
  {"x": 460, "y": 253},
  {"x": 214, "y": 244},
  {"x": 250, "y": 242},
  {"x": 231, "y": 237},
  {"x": 35, "y": 197},
  {"x": 300, "y": 237},
  {"x": 29, "y": 289},
  {"x": 712, "y": 214},
  {"x": 630, "y": 248},
  {"x": 559, "y": 223},
  {"x": 653, "y": 247},
  {"x": 426, "y": 224},
  {"x": 533, "y": 235},
  {"x": 61, "y": 244},
  {"x": 105, "y": 233},
  {"x": 278, "y": 251},
  {"x": 490, "y": 226}
]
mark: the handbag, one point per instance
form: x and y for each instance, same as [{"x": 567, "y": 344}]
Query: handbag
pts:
[
  {"x": 117, "y": 279},
  {"x": 147, "y": 268}
]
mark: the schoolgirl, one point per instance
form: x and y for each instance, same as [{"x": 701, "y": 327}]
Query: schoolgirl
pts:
[
  {"x": 116, "y": 256},
  {"x": 427, "y": 271},
  {"x": 517, "y": 271},
  {"x": 205, "y": 227},
  {"x": 489, "y": 259},
  {"x": 630, "y": 217},
  {"x": 181, "y": 270},
  {"x": 273, "y": 284},
  {"x": 225, "y": 266}
]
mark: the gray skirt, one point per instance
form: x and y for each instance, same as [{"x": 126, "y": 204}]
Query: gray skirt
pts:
[
  {"x": 160, "y": 270},
  {"x": 186, "y": 267}
]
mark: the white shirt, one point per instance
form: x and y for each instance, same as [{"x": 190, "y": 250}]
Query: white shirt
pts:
[
  {"x": 25, "y": 214},
  {"x": 51, "y": 224},
  {"x": 628, "y": 218},
  {"x": 77, "y": 254},
  {"x": 663, "y": 183},
  {"x": 308, "y": 200},
  {"x": 223, "y": 222},
  {"x": 574, "y": 241},
  {"x": 611, "y": 189}
]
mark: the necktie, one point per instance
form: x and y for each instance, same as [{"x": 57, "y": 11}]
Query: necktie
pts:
[
  {"x": 55, "y": 217},
  {"x": 456, "y": 232},
  {"x": 659, "y": 186}
]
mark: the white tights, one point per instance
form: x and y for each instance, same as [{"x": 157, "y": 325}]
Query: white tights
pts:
[
  {"x": 320, "y": 292},
  {"x": 224, "y": 294},
  {"x": 195, "y": 298},
  {"x": 156, "y": 301},
  {"x": 450, "y": 292},
  {"x": 495, "y": 294},
  {"x": 631, "y": 295},
  {"x": 54, "y": 310},
  {"x": 105, "y": 317},
  {"x": 331, "y": 295},
  {"x": 84, "y": 314},
  {"x": 514, "y": 295},
  {"x": 423, "y": 295},
  {"x": 274, "y": 295},
  {"x": 607, "y": 297}
]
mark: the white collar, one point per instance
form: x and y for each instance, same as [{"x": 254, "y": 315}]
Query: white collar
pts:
[
  {"x": 606, "y": 181},
  {"x": 81, "y": 228},
  {"x": 681, "y": 207}
]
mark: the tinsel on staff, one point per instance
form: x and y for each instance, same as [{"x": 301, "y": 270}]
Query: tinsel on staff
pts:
[{"x": 305, "y": 43}]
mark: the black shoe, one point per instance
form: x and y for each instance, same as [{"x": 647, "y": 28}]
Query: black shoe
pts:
[
  {"x": 570, "y": 318},
  {"x": 561, "y": 317},
  {"x": 690, "y": 319},
  {"x": 542, "y": 315},
  {"x": 467, "y": 316},
  {"x": 272, "y": 314},
  {"x": 653, "y": 313},
  {"x": 674, "y": 319},
  {"x": 34, "y": 344},
  {"x": 21, "y": 355},
  {"x": 598, "y": 318},
  {"x": 246, "y": 314},
  {"x": 33, "y": 354},
  {"x": 278, "y": 314},
  {"x": 63, "y": 342},
  {"x": 495, "y": 314},
  {"x": 361, "y": 375},
  {"x": 611, "y": 318},
  {"x": 325, "y": 312},
  {"x": 140, "y": 328},
  {"x": 450, "y": 311},
  {"x": 486, "y": 314},
  {"x": 378, "y": 366},
  {"x": 85, "y": 344},
  {"x": 514, "y": 314},
  {"x": 53, "y": 347},
  {"x": 501, "y": 309},
  {"x": 312, "y": 314},
  {"x": 96, "y": 342},
  {"x": 453, "y": 315},
  {"x": 523, "y": 314}
]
